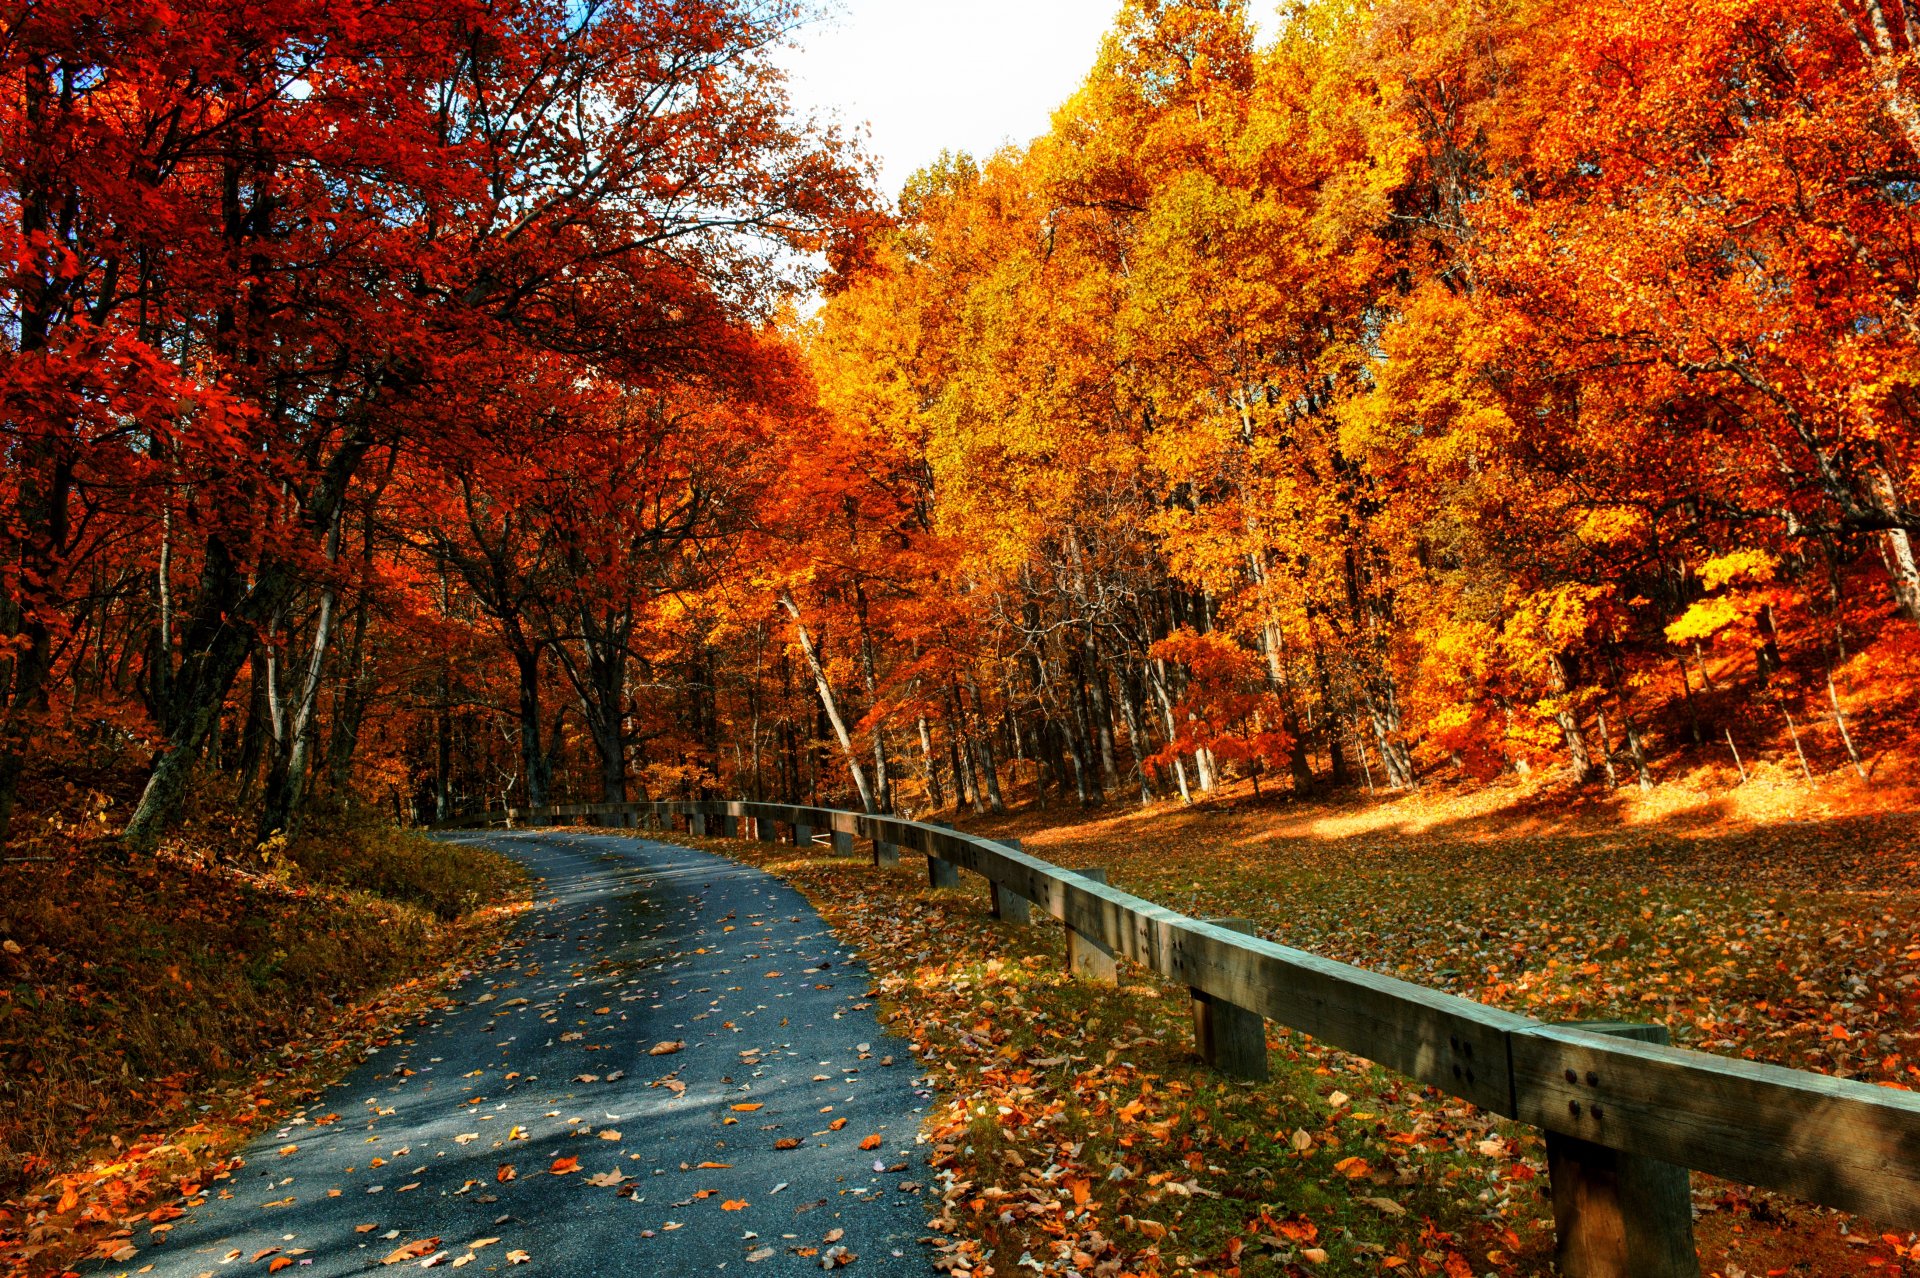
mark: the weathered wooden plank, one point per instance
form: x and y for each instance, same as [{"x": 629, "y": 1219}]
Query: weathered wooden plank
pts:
[
  {"x": 941, "y": 873},
  {"x": 1227, "y": 1036},
  {"x": 1615, "y": 1214},
  {"x": 1832, "y": 1140},
  {"x": 1089, "y": 956},
  {"x": 1004, "y": 903},
  {"x": 1454, "y": 1043}
]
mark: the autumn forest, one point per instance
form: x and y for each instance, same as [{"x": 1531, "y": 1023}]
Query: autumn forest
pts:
[{"x": 415, "y": 411}]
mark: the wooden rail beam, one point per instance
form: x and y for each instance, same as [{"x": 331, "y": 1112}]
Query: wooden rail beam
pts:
[
  {"x": 1231, "y": 1038},
  {"x": 942, "y": 873},
  {"x": 1615, "y": 1214},
  {"x": 1008, "y": 905},
  {"x": 1087, "y": 955}
]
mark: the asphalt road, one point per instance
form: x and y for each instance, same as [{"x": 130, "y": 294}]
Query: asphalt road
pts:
[{"x": 548, "y": 1058}]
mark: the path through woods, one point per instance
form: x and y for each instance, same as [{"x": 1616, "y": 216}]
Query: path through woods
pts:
[{"x": 535, "y": 1113}]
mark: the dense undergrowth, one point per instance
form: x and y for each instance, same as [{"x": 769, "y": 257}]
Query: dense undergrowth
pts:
[{"x": 154, "y": 1010}]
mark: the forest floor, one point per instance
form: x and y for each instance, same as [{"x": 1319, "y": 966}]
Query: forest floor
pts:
[
  {"x": 1774, "y": 920},
  {"x": 157, "y": 1012}
]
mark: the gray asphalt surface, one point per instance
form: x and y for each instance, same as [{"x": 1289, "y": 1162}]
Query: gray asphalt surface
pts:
[{"x": 547, "y": 1056}]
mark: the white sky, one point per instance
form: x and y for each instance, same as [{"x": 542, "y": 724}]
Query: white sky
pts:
[{"x": 965, "y": 75}]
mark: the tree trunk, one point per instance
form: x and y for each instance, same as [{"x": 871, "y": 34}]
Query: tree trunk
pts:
[
  {"x": 221, "y": 637},
  {"x": 534, "y": 763},
  {"x": 827, "y": 703},
  {"x": 1101, "y": 712},
  {"x": 1394, "y": 755},
  {"x": 216, "y": 645},
  {"x": 1896, "y": 547},
  {"x": 1639, "y": 756},
  {"x": 1155, "y": 671},
  {"x": 934, "y": 794},
  {"x": 1560, "y": 683},
  {"x": 882, "y": 783},
  {"x": 984, "y": 748},
  {"x": 1131, "y": 716}
]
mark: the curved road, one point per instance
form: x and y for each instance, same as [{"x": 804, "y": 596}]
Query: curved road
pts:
[{"x": 740, "y": 1151}]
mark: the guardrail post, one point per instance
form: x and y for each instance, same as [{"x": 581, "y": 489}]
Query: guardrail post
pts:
[
  {"x": 885, "y": 853},
  {"x": 1231, "y": 1038},
  {"x": 697, "y": 823},
  {"x": 942, "y": 874},
  {"x": 729, "y": 826},
  {"x": 802, "y": 835},
  {"x": 1088, "y": 956},
  {"x": 1615, "y": 1214},
  {"x": 1008, "y": 905},
  {"x": 767, "y": 828},
  {"x": 843, "y": 842}
]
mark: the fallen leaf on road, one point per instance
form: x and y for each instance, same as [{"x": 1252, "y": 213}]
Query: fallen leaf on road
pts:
[
  {"x": 747, "y": 1108},
  {"x": 506, "y": 1173},
  {"x": 734, "y": 1204},
  {"x": 518, "y": 1258},
  {"x": 606, "y": 1179},
  {"x": 666, "y": 1047},
  {"x": 563, "y": 1166},
  {"x": 410, "y": 1251},
  {"x": 871, "y": 1142}
]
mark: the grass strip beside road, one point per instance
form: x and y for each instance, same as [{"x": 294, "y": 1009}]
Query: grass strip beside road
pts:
[{"x": 155, "y": 1013}]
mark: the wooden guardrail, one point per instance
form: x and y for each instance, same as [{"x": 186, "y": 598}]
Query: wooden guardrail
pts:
[{"x": 1624, "y": 1112}]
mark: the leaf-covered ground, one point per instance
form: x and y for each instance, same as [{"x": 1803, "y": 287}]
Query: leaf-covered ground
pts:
[
  {"x": 154, "y": 1013},
  {"x": 1077, "y": 1130}
]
